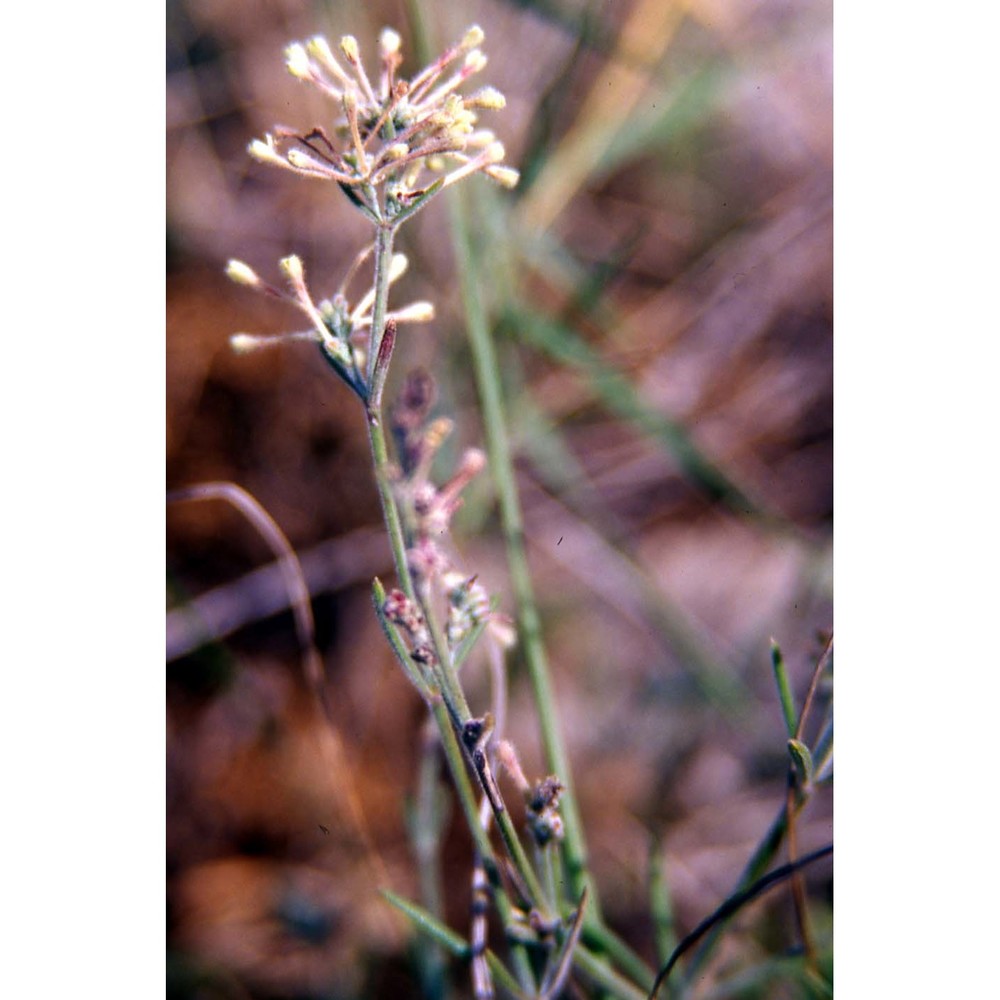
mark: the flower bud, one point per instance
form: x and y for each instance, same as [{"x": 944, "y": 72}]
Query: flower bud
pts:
[
  {"x": 349, "y": 46},
  {"x": 297, "y": 61},
  {"x": 389, "y": 42},
  {"x": 473, "y": 37},
  {"x": 242, "y": 274},
  {"x": 506, "y": 177},
  {"x": 319, "y": 47},
  {"x": 397, "y": 266},
  {"x": 244, "y": 343},
  {"x": 489, "y": 98},
  {"x": 475, "y": 61},
  {"x": 263, "y": 151},
  {"x": 415, "y": 312},
  {"x": 292, "y": 266}
]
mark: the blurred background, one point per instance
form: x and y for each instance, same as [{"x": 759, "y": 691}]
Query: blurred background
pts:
[{"x": 661, "y": 297}]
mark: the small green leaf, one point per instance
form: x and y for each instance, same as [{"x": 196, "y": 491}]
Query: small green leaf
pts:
[
  {"x": 784, "y": 688},
  {"x": 802, "y": 762}
]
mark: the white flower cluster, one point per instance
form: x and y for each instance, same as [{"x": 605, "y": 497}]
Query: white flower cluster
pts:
[
  {"x": 342, "y": 331},
  {"x": 387, "y": 138}
]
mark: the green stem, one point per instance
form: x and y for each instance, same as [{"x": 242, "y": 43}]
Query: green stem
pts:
[
  {"x": 445, "y": 936},
  {"x": 598, "y": 971},
  {"x": 390, "y": 512},
  {"x": 383, "y": 262},
  {"x": 426, "y": 834},
  {"x": 486, "y": 368},
  {"x": 661, "y": 907},
  {"x": 604, "y": 941},
  {"x": 467, "y": 799}
]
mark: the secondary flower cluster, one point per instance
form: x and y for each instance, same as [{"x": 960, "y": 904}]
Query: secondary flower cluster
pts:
[
  {"x": 389, "y": 135},
  {"x": 342, "y": 331}
]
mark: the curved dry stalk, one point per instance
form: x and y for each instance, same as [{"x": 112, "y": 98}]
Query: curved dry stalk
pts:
[{"x": 312, "y": 663}]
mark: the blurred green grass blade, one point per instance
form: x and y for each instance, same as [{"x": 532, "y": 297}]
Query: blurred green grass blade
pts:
[
  {"x": 597, "y": 970},
  {"x": 670, "y": 117},
  {"x": 660, "y": 905},
  {"x": 562, "y": 344},
  {"x": 758, "y": 981},
  {"x": 533, "y": 434},
  {"x": 823, "y": 754},
  {"x": 473, "y": 276},
  {"x": 626, "y": 586},
  {"x": 784, "y": 688},
  {"x": 584, "y": 25},
  {"x": 427, "y": 818},
  {"x": 555, "y": 105},
  {"x": 429, "y": 925},
  {"x": 731, "y": 906},
  {"x": 452, "y": 942}
]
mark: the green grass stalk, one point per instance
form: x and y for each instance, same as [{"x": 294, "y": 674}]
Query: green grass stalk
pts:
[
  {"x": 443, "y": 935},
  {"x": 487, "y": 376}
]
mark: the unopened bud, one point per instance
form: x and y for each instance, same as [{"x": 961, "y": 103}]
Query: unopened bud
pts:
[
  {"x": 475, "y": 61},
  {"x": 292, "y": 266},
  {"x": 506, "y": 177},
  {"x": 349, "y": 46},
  {"x": 473, "y": 37},
  {"x": 264, "y": 152},
  {"x": 389, "y": 42},
  {"x": 242, "y": 274},
  {"x": 397, "y": 266},
  {"x": 415, "y": 312},
  {"x": 489, "y": 98},
  {"x": 318, "y": 46},
  {"x": 473, "y": 462},
  {"x": 297, "y": 61},
  {"x": 244, "y": 343}
]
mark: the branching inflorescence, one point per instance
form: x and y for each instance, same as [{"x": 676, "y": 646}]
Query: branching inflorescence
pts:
[{"x": 392, "y": 146}]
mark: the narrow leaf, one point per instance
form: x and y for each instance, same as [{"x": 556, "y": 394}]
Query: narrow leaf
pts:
[{"x": 784, "y": 689}]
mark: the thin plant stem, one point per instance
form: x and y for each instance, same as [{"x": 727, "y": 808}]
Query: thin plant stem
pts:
[
  {"x": 390, "y": 512},
  {"x": 605, "y": 942},
  {"x": 467, "y": 799},
  {"x": 598, "y": 971},
  {"x": 426, "y": 836},
  {"x": 771, "y": 841},
  {"x": 446, "y": 937},
  {"x": 486, "y": 370},
  {"x": 661, "y": 906},
  {"x": 792, "y": 795},
  {"x": 734, "y": 903},
  {"x": 447, "y": 716},
  {"x": 383, "y": 261}
]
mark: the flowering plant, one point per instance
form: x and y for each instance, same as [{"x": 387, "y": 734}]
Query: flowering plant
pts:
[{"x": 392, "y": 147}]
